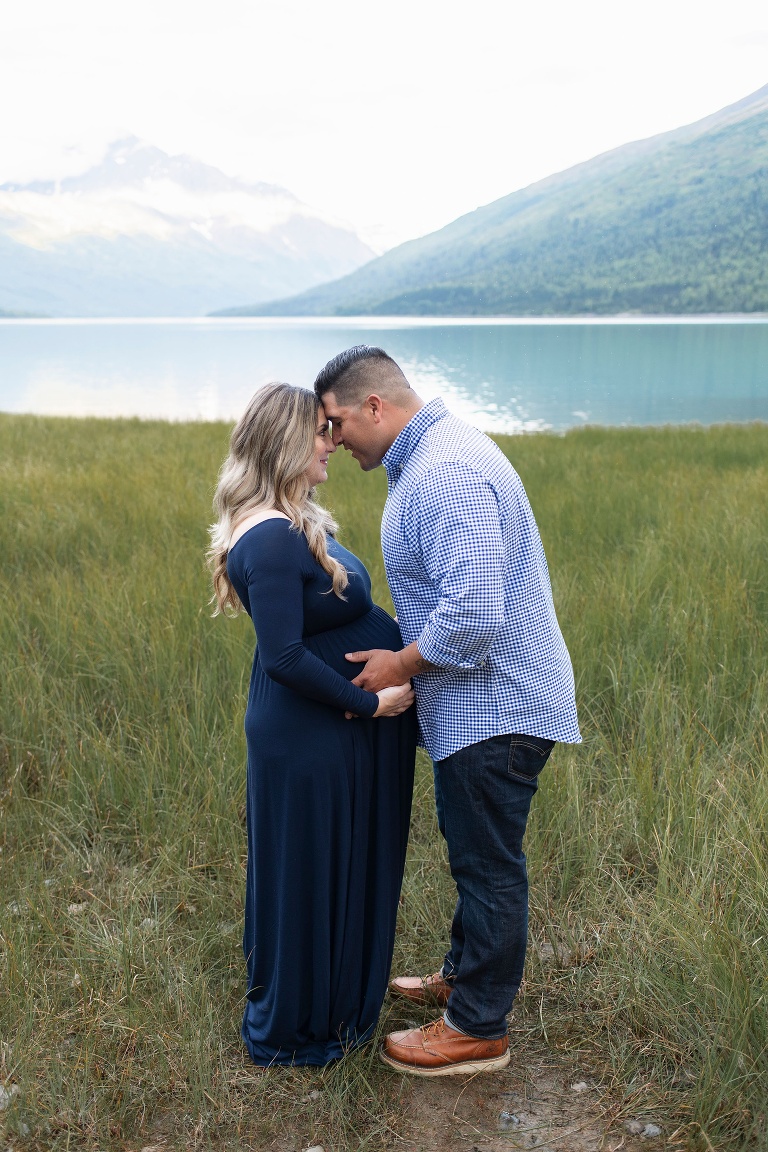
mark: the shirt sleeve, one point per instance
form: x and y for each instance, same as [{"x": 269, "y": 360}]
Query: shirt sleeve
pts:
[
  {"x": 275, "y": 566},
  {"x": 454, "y": 519}
]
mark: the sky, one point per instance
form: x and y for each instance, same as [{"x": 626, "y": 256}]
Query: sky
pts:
[{"x": 394, "y": 117}]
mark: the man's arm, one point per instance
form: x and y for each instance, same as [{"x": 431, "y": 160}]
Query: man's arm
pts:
[{"x": 455, "y": 526}]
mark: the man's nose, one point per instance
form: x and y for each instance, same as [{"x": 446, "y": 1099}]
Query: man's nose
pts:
[{"x": 337, "y": 437}]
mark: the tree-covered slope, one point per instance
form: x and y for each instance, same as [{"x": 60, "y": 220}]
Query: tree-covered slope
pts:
[{"x": 674, "y": 224}]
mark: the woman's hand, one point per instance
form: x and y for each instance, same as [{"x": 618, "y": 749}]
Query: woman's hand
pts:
[{"x": 393, "y": 701}]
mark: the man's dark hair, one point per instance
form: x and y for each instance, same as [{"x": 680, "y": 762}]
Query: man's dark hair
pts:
[{"x": 348, "y": 363}]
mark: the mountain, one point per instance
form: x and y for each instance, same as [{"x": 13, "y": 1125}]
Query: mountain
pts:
[
  {"x": 677, "y": 223},
  {"x": 148, "y": 234}
]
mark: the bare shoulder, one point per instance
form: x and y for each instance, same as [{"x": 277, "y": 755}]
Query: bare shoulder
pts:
[{"x": 252, "y": 520}]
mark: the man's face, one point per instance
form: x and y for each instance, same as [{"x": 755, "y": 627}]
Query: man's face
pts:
[{"x": 358, "y": 428}]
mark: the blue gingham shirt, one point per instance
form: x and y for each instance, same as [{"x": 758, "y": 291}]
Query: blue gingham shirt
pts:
[{"x": 470, "y": 584}]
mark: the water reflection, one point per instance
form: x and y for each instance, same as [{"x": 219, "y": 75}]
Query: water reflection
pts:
[
  {"x": 563, "y": 375},
  {"x": 507, "y": 377}
]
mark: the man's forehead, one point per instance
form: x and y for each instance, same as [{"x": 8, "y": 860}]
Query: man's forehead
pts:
[{"x": 334, "y": 410}]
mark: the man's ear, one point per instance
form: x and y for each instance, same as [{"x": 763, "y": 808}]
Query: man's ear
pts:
[{"x": 375, "y": 406}]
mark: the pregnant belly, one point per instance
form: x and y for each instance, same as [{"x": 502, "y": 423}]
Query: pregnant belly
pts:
[{"x": 376, "y": 629}]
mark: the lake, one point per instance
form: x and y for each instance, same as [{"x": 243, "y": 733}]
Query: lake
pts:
[{"x": 503, "y": 375}]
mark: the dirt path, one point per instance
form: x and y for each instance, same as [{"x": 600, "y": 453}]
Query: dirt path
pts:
[{"x": 544, "y": 1105}]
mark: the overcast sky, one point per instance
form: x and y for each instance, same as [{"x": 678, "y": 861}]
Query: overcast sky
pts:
[{"x": 395, "y": 117}]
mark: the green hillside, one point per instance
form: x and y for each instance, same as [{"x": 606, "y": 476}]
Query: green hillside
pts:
[{"x": 674, "y": 224}]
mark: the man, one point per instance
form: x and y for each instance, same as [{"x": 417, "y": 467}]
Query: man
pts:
[{"x": 493, "y": 680}]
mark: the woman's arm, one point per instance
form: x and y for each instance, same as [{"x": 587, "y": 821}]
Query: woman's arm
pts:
[{"x": 275, "y": 563}]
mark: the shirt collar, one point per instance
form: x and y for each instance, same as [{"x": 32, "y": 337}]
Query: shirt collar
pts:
[{"x": 404, "y": 444}]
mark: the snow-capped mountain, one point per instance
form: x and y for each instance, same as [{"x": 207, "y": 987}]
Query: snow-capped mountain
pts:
[{"x": 148, "y": 234}]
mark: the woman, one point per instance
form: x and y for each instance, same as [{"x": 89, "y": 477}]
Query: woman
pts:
[{"x": 328, "y": 798}]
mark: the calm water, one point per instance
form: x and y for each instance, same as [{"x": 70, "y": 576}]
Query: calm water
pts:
[{"x": 504, "y": 376}]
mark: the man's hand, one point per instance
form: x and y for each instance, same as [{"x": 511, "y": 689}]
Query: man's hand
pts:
[{"x": 384, "y": 669}]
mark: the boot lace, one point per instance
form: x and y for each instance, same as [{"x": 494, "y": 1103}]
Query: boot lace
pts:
[{"x": 435, "y": 1030}]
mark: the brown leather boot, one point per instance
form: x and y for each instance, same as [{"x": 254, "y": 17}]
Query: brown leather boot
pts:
[
  {"x": 422, "y": 989},
  {"x": 439, "y": 1050}
]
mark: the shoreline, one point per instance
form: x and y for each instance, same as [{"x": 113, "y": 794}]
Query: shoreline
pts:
[
  {"x": 556, "y": 433},
  {"x": 389, "y": 322}
]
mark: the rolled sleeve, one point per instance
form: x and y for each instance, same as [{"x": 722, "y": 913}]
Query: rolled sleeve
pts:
[{"x": 455, "y": 515}]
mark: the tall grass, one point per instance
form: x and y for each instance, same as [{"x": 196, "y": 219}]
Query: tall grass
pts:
[{"x": 122, "y": 791}]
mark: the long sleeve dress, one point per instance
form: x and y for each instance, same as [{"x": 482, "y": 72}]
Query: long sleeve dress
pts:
[{"x": 328, "y": 803}]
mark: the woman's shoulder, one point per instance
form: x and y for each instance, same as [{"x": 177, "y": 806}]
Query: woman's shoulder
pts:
[
  {"x": 268, "y": 516},
  {"x": 270, "y": 544}
]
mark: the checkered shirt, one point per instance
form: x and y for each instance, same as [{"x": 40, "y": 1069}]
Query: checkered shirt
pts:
[{"x": 470, "y": 584}]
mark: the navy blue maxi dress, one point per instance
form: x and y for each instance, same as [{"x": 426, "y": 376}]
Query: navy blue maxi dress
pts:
[{"x": 328, "y": 803}]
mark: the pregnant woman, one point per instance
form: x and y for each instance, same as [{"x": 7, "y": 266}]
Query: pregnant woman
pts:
[{"x": 328, "y": 797}]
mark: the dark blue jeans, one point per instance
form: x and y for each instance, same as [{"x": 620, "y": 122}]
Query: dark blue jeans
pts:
[{"x": 483, "y": 795}]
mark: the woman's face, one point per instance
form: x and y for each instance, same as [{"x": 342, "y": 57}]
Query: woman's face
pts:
[{"x": 317, "y": 473}]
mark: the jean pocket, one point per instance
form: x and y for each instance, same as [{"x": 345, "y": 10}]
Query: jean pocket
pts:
[{"x": 527, "y": 757}]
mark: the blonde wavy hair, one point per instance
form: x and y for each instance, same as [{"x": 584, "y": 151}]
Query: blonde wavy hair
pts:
[{"x": 270, "y": 450}]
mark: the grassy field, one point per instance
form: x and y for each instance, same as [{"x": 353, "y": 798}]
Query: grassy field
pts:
[{"x": 122, "y": 790}]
